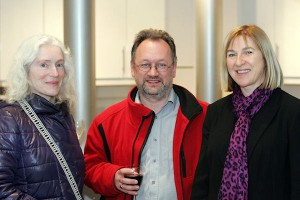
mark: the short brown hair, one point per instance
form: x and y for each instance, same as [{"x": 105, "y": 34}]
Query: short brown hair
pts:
[{"x": 155, "y": 35}]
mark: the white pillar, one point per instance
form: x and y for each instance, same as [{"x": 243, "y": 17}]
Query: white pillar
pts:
[
  {"x": 208, "y": 49},
  {"x": 79, "y": 35}
]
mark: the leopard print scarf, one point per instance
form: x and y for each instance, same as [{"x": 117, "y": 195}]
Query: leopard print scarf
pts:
[{"x": 234, "y": 185}]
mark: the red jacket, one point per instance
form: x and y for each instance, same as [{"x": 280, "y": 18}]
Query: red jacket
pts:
[{"x": 117, "y": 136}]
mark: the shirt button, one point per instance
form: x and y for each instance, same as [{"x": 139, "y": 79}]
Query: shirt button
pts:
[
  {"x": 154, "y": 160},
  {"x": 153, "y": 182},
  {"x": 155, "y": 139}
]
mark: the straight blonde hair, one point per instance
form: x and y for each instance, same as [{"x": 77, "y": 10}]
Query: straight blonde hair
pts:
[{"x": 273, "y": 75}]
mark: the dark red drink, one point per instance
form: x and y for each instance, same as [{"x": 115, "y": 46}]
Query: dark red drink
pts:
[{"x": 138, "y": 177}]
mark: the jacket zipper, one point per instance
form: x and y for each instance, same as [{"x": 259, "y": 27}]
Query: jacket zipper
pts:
[
  {"x": 144, "y": 143},
  {"x": 140, "y": 153},
  {"x": 182, "y": 156},
  {"x": 183, "y": 162}
]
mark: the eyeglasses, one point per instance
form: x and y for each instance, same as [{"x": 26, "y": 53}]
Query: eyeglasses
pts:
[{"x": 160, "y": 67}]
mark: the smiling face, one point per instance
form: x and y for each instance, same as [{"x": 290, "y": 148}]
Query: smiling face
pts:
[
  {"x": 245, "y": 64},
  {"x": 153, "y": 84},
  {"x": 47, "y": 72}
]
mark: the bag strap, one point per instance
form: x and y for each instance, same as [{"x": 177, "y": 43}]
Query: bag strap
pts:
[{"x": 46, "y": 135}]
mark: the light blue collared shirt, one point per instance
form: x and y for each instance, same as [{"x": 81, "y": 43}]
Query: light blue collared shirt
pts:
[{"x": 157, "y": 156}]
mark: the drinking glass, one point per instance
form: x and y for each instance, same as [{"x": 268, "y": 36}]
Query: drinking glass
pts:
[
  {"x": 137, "y": 175},
  {"x": 80, "y": 127}
]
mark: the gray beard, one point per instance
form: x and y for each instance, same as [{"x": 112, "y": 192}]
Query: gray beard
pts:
[{"x": 160, "y": 94}]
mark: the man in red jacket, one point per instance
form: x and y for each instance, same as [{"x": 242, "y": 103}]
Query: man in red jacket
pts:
[{"x": 157, "y": 128}]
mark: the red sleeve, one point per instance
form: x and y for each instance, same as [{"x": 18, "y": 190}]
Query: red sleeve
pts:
[{"x": 99, "y": 173}]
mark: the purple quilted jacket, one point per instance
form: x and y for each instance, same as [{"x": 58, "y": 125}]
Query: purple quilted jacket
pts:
[{"x": 28, "y": 167}]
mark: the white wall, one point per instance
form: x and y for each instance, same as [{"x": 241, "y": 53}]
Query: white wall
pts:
[
  {"x": 287, "y": 38},
  {"x": 20, "y": 19},
  {"x": 280, "y": 19}
]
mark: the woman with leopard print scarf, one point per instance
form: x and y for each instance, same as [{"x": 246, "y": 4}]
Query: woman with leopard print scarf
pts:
[{"x": 251, "y": 137}]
